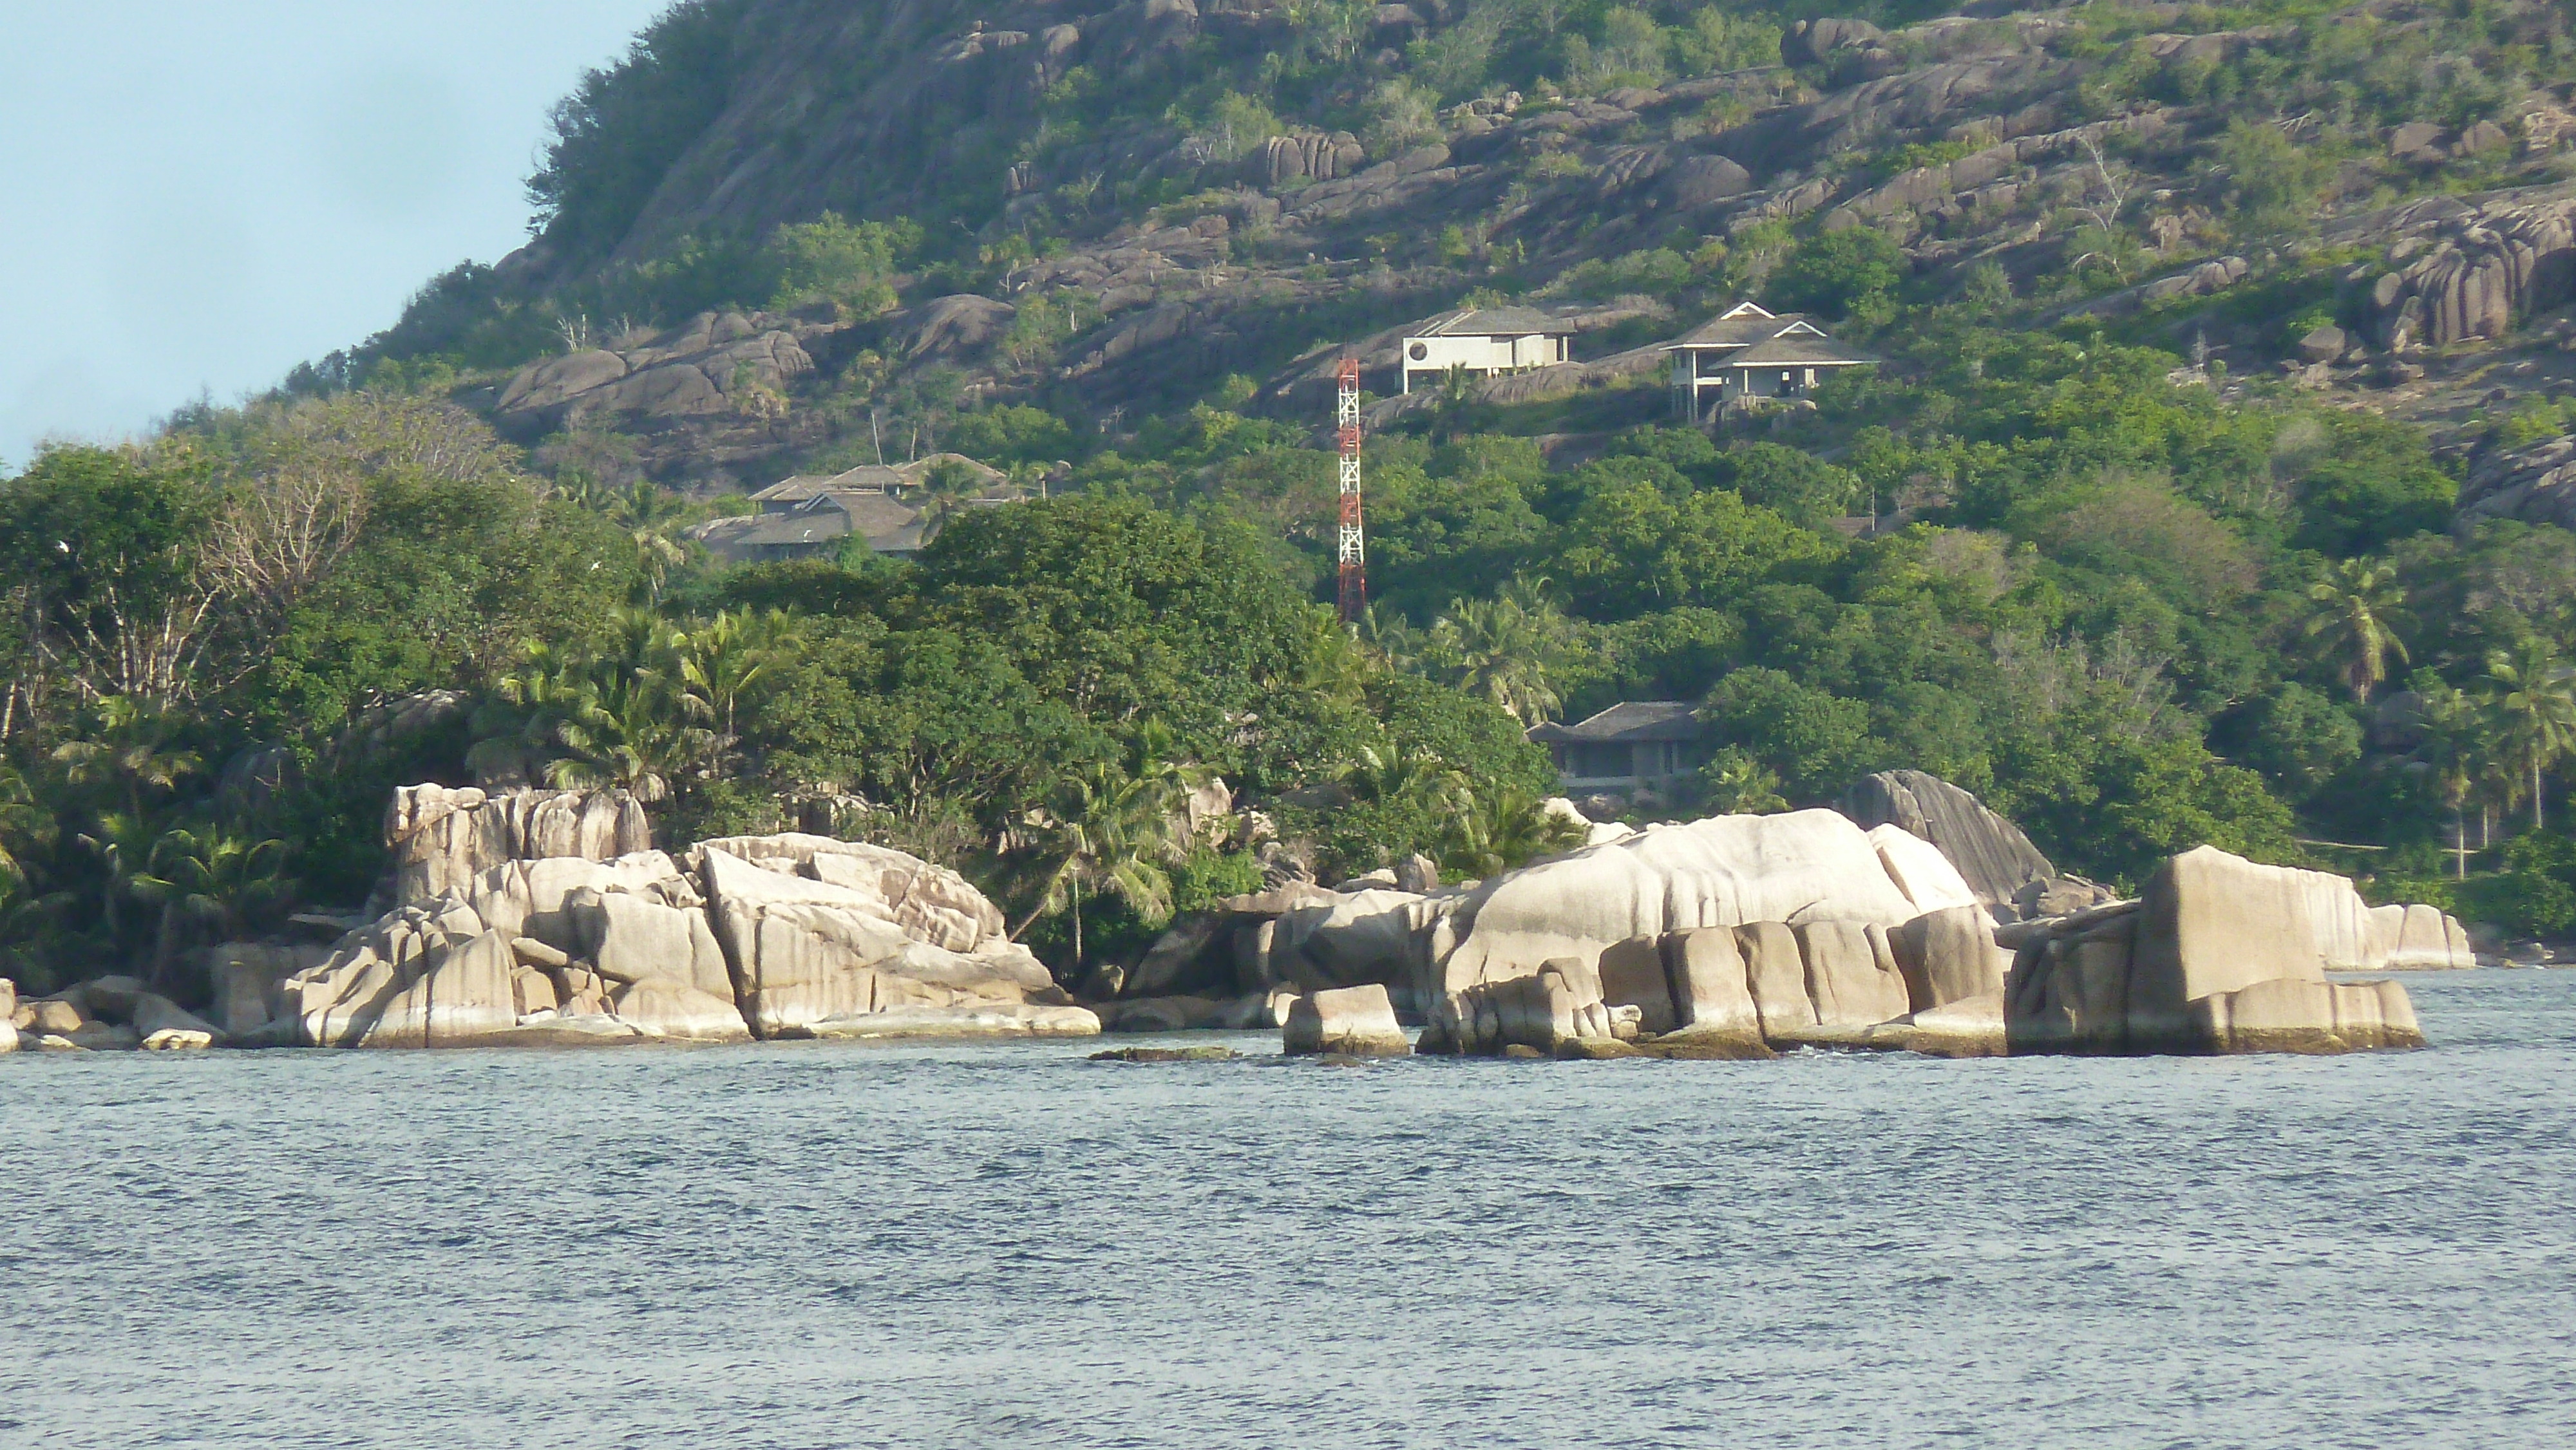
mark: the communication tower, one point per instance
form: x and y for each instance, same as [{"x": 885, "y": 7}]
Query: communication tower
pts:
[{"x": 1354, "y": 543}]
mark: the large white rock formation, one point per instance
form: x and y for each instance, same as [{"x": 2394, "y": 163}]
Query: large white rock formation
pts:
[
  {"x": 809, "y": 955},
  {"x": 442, "y": 838},
  {"x": 1800, "y": 867},
  {"x": 1358, "y": 1021},
  {"x": 2220, "y": 955},
  {"x": 789, "y": 935}
]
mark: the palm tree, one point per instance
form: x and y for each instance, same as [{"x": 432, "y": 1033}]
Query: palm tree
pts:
[
  {"x": 518, "y": 723},
  {"x": 1500, "y": 649},
  {"x": 131, "y": 749},
  {"x": 2359, "y": 607},
  {"x": 1503, "y": 830},
  {"x": 25, "y": 826},
  {"x": 1415, "y": 776},
  {"x": 1109, "y": 824},
  {"x": 123, "y": 844},
  {"x": 620, "y": 714},
  {"x": 651, "y": 518},
  {"x": 2535, "y": 704},
  {"x": 220, "y": 878},
  {"x": 2455, "y": 736},
  {"x": 1393, "y": 637},
  {"x": 734, "y": 656},
  {"x": 1739, "y": 785},
  {"x": 948, "y": 489},
  {"x": 207, "y": 875}
]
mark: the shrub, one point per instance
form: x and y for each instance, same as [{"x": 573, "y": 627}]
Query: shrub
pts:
[{"x": 1836, "y": 273}]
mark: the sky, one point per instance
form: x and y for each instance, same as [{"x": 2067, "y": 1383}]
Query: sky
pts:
[{"x": 197, "y": 195}]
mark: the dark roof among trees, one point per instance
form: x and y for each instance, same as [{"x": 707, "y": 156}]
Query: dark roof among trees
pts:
[{"x": 1629, "y": 720}]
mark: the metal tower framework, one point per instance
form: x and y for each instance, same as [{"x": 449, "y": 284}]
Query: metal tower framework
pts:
[{"x": 1354, "y": 541}]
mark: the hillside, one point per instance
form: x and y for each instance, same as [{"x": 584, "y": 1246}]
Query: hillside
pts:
[{"x": 1112, "y": 214}]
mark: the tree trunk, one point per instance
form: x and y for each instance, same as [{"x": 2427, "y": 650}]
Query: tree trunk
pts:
[
  {"x": 1046, "y": 894},
  {"x": 2535, "y": 792},
  {"x": 1077, "y": 928},
  {"x": 159, "y": 975}
]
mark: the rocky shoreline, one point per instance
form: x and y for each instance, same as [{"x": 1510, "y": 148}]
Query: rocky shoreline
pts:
[{"x": 547, "y": 919}]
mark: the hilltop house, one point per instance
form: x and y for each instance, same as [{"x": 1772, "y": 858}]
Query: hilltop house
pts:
[
  {"x": 1746, "y": 352},
  {"x": 813, "y": 516},
  {"x": 1483, "y": 343},
  {"x": 1633, "y": 745}
]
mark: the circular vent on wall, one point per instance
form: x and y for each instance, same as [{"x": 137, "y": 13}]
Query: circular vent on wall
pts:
[{"x": 1421, "y": 350}]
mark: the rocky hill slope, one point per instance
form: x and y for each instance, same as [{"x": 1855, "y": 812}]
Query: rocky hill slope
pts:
[{"x": 1111, "y": 214}]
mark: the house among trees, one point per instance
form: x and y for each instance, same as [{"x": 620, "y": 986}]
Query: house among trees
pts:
[
  {"x": 1485, "y": 342},
  {"x": 1634, "y": 745},
  {"x": 895, "y": 507},
  {"x": 1746, "y": 352}
]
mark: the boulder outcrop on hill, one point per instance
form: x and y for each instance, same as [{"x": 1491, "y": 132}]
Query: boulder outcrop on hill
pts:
[
  {"x": 711, "y": 364},
  {"x": 2462, "y": 267},
  {"x": 2535, "y": 485}
]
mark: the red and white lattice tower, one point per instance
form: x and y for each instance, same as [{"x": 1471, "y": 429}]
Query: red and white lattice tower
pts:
[{"x": 1354, "y": 541}]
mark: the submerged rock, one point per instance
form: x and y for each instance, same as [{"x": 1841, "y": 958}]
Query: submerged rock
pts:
[{"x": 1167, "y": 1054}]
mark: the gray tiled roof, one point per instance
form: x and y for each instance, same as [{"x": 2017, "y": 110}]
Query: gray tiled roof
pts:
[
  {"x": 1797, "y": 352},
  {"x": 1494, "y": 322},
  {"x": 1742, "y": 331},
  {"x": 1629, "y": 720}
]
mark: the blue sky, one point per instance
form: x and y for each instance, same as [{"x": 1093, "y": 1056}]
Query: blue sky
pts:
[{"x": 196, "y": 196}]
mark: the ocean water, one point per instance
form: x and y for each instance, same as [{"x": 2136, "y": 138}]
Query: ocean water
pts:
[{"x": 809, "y": 1245}]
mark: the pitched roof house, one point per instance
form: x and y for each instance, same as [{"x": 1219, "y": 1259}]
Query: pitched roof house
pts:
[
  {"x": 1747, "y": 352},
  {"x": 1483, "y": 342},
  {"x": 813, "y": 516},
  {"x": 1632, "y": 745}
]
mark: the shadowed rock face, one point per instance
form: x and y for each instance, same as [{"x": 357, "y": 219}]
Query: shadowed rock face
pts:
[
  {"x": 1992, "y": 855},
  {"x": 2467, "y": 267}
]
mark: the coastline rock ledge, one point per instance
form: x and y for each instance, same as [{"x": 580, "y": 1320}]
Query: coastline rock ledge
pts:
[
  {"x": 786, "y": 936},
  {"x": 1740, "y": 936}
]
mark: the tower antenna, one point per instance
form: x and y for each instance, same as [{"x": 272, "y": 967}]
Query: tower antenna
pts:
[{"x": 1354, "y": 542}]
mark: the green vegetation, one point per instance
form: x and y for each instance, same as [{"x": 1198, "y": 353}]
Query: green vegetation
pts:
[{"x": 233, "y": 643}]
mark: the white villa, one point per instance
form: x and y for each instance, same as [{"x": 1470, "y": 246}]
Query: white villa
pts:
[
  {"x": 1746, "y": 352},
  {"x": 1484, "y": 342}
]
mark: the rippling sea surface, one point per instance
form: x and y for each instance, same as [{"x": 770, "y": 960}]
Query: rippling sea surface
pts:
[{"x": 838, "y": 1245}]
